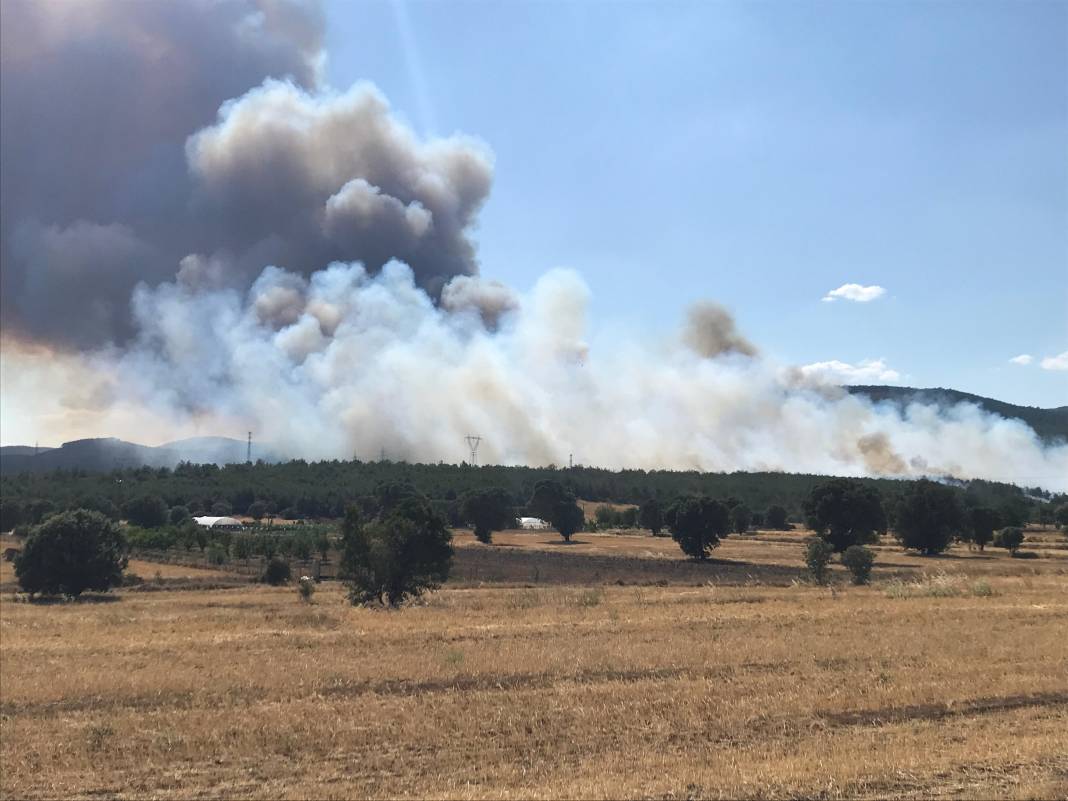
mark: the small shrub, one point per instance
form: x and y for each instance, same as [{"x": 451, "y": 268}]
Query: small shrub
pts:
[
  {"x": 982, "y": 589},
  {"x": 216, "y": 555},
  {"x": 818, "y": 553},
  {"x": 306, "y": 588},
  {"x": 276, "y": 573},
  {"x": 859, "y": 560}
]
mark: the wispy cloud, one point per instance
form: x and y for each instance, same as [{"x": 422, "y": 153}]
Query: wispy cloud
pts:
[
  {"x": 1023, "y": 358},
  {"x": 854, "y": 292},
  {"x": 865, "y": 371},
  {"x": 1058, "y": 362}
]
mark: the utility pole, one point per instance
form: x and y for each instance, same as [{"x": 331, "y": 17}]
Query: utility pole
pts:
[
  {"x": 472, "y": 442},
  {"x": 248, "y": 452}
]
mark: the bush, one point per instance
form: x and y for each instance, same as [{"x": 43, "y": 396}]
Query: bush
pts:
[
  {"x": 276, "y": 573},
  {"x": 1010, "y": 538},
  {"x": 306, "y": 588},
  {"x": 70, "y": 553},
  {"x": 216, "y": 555},
  {"x": 818, "y": 553},
  {"x": 859, "y": 560},
  {"x": 400, "y": 557}
]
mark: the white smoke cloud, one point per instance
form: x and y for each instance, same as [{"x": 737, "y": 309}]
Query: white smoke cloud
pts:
[
  {"x": 1058, "y": 362},
  {"x": 347, "y": 363},
  {"x": 854, "y": 292},
  {"x": 866, "y": 371},
  {"x": 1023, "y": 359}
]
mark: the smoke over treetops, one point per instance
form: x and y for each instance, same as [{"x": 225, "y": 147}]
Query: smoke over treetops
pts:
[{"x": 220, "y": 243}]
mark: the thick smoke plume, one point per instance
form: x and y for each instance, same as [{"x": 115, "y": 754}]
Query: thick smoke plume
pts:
[
  {"x": 345, "y": 364},
  {"x": 198, "y": 237},
  {"x": 140, "y": 136}
]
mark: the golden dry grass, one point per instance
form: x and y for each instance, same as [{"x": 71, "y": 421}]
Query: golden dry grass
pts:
[{"x": 546, "y": 692}]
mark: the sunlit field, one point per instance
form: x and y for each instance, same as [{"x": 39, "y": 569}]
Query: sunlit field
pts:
[{"x": 947, "y": 677}]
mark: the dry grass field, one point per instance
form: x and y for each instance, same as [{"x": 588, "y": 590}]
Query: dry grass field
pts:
[{"x": 946, "y": 678}]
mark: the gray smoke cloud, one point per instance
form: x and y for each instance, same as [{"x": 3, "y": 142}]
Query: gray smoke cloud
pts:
[
  {"x": 138, "y": 140},
  {"x": 711, "y": 331}
]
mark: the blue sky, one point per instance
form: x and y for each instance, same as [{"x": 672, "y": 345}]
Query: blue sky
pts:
[{"x": 763, "y": 154}]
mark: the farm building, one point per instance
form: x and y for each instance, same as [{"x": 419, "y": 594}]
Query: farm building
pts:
[
  {"x": 224, "y": 523},
  {"x": 535, "y": 523}
]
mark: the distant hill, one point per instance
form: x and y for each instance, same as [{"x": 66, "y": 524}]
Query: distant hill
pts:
[
  {"x": 21, "y": 450},
  {"x": 104, "y": 454},
  {"x": 1049, "y": 424}
]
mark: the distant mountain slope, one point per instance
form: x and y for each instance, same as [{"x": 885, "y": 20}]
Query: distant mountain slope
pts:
[
  {"x": 101, "y": 455},
  {"x": 1049, "y": 424},
  {"x": 21, "y": 450}
]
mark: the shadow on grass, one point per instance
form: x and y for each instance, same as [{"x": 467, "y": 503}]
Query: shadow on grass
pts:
[{"x": 85, "y": 598}]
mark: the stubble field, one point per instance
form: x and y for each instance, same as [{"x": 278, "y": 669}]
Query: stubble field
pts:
[{"x": 946, "y": 678}]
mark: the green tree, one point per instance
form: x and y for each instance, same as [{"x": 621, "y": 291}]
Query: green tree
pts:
[
  {"x": 775, "y": 518},
  {"x": 697, "y": 523},
  {"x": 859, "y": 560},
  {"x": 11, "y": 514},
  {"x": 740, "y": 518},
  {"x": 220, "y": 509},
  {"x": 244, "y": 547},
  {"x": 651, "y": 516},
  {"x": 928, "y": 517},
  {"x": 1010, "y": 538},
  {"x": 982, "y": 520},
  {"x": 567, "y": 518},
  {"x": 70, "y": 553},
  {"x": 555, "y": 503},
  {"x": 178, "y": 515},
  {"x": 1060, "y": 516},
  {"x": 487, "y": 510},
  {"x": 845, "y": 512},
  {"x": 257, "y": 510},
  {"x": 398, "y": 557},
  {"x": 147, "y": 511}
]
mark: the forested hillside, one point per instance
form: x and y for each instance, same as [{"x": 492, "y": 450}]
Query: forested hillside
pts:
[
  {"x": 1049, "y": 424},
  {"x": 324, "y": 489}
]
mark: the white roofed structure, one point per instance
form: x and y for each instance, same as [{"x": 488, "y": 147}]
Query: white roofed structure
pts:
[
  {"x": 532, "y": 523},
  {"x": 219, "y": 522}
]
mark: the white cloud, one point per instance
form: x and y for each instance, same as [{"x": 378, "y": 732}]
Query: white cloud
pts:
[
  {"x": 854, "y": 292},
  {"x": 863, "y": 372},
  {"x": 1023, "y": 358},
  {"x": 1058, "y": 362}
]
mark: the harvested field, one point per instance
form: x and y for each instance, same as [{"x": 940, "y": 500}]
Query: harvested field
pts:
[{"x": 714, "y": 686}]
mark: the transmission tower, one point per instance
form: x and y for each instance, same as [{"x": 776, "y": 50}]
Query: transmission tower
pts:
[{"x": 472, "y": 442}]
